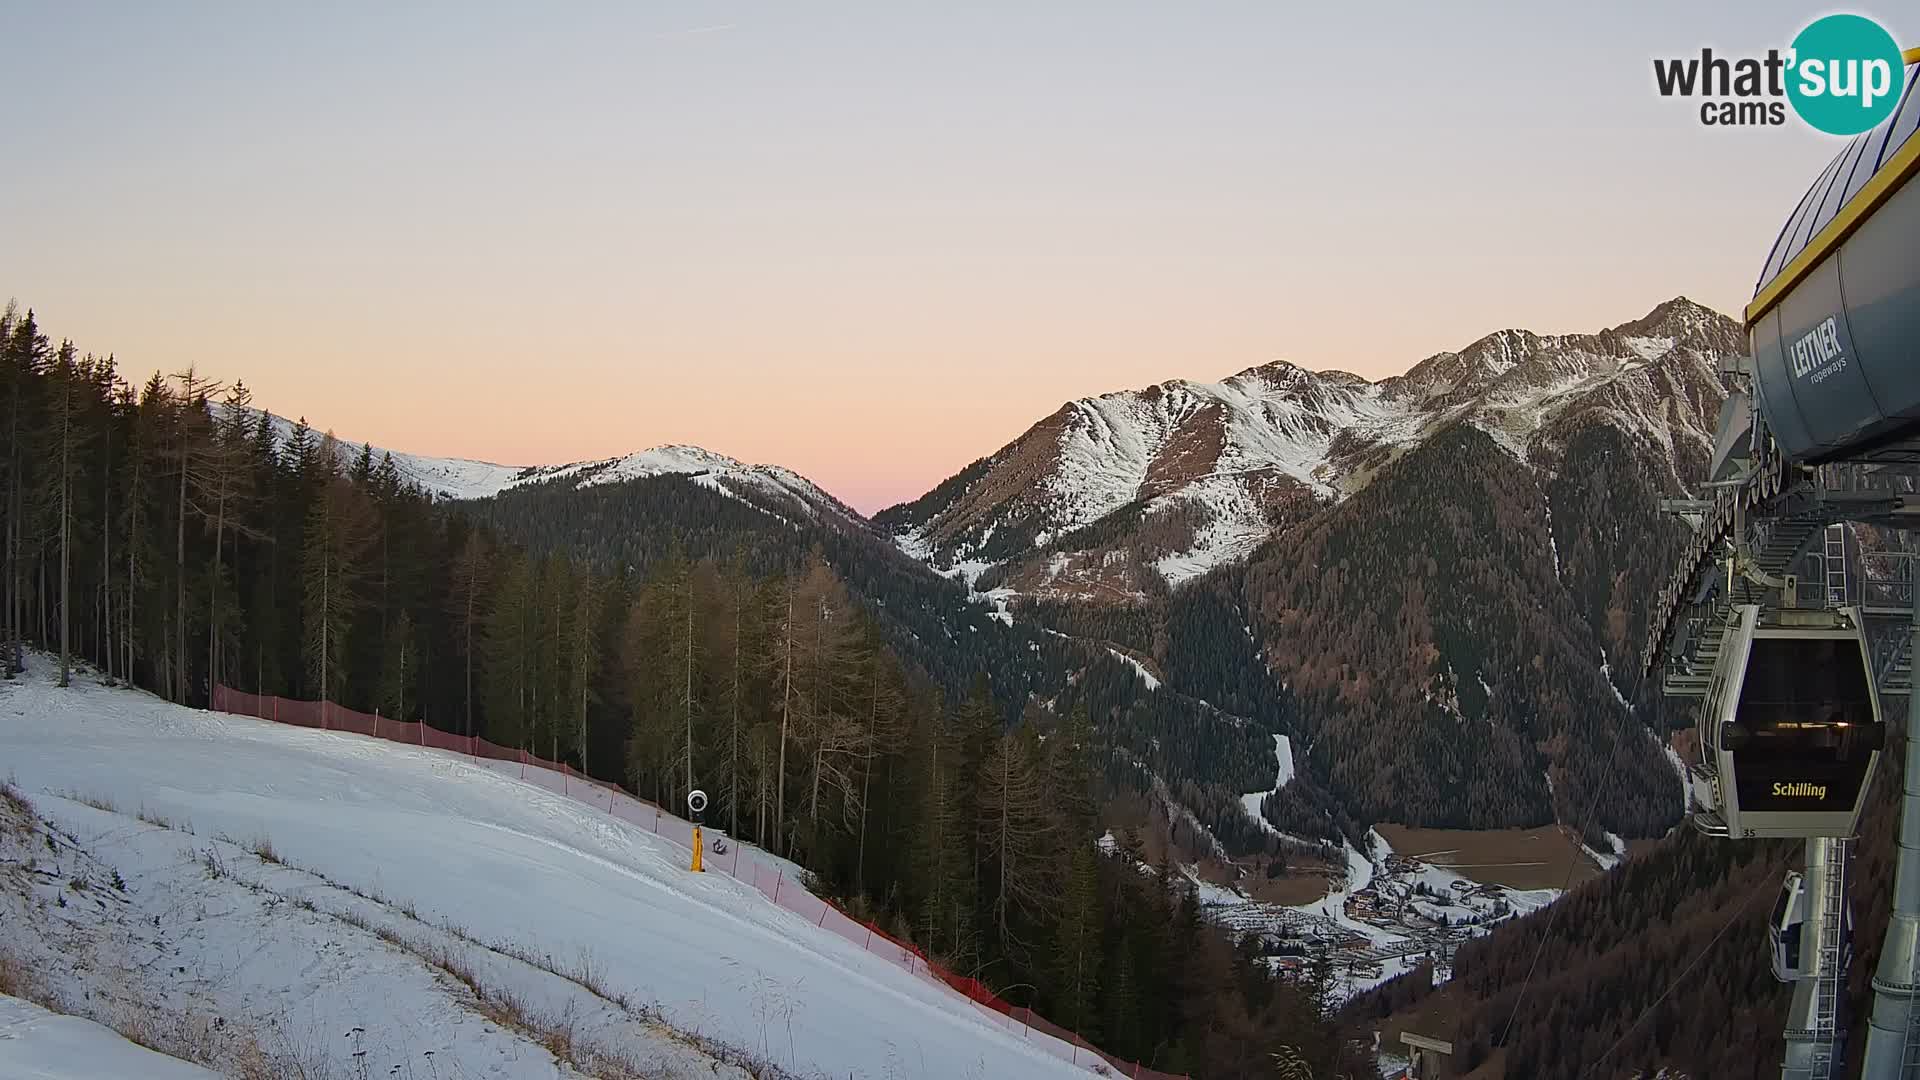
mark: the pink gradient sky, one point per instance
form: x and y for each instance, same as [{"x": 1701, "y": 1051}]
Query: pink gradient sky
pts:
[{"x": 866, "y": 243}]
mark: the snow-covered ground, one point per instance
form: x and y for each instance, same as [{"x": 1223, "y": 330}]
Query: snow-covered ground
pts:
[
  {"x": 388, "y": 855},
  {"x": 39, "y": 1045}
]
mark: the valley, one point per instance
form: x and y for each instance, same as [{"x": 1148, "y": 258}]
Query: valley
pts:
[
  {"x": 1224, "y": 558},
  {"x": 1342, "y": 668}
]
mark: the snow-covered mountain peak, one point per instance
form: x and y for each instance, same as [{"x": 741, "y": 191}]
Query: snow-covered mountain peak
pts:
[
  {"x": 1182, "y": 476},
  {"x": 461, "y": 478}
]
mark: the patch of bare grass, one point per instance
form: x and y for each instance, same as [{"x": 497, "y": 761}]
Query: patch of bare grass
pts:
[
  {"x": 16, "y": 978},
  {"x": 159, "y": 820},
  {"x": 98, "y": 802},
  {"x": 230, "y": 1049},
  {"x": 19, "y": 810}
]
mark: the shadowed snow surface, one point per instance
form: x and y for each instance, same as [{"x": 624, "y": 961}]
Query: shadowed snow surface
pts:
[{"x": 504, "y": 862}]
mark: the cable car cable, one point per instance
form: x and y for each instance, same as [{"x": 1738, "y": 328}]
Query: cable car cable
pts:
[
  {"x": 1553, "y": 911},
  {"x": 1684, "y": 972}
]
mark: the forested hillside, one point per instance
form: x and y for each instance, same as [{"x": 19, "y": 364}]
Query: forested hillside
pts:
[
  {"x": 165, "y": 536},
  {"x": 1449, "y": 677},
  {"x": 1436, "y": 583},
  {"x": 1202, "y": 747},
  {"x": 1660, "y": 964}
]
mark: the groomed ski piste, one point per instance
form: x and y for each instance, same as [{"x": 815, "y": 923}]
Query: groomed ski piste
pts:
[{"x": 357, "y": 907}]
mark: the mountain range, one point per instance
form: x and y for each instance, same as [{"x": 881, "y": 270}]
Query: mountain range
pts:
[
  {"x": 1435, "y": 582},
  {"x": 1182, "y": 477}
]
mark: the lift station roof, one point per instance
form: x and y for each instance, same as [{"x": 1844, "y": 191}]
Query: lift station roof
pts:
[{"x": 1835, "y": 320}]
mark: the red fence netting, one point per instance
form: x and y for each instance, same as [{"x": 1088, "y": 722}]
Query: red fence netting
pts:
[{"x": 762, "y": 873}]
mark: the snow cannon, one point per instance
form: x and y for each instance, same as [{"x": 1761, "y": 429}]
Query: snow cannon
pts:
[
  {"x": 1834, "y": 326},
  {"x": 697, "y": 806}
]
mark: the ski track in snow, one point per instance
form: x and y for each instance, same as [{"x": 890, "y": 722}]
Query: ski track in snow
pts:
[
  {"x": 458, "y": 842},
  {"x": 1145, "y": 675},
  {"x": 1283, "y": 755}
]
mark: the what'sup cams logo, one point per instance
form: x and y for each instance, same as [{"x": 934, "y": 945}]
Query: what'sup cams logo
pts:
[{"x": 1842, "y": 75}]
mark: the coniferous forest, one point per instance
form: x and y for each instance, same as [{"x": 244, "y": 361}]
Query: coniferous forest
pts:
[{"x": 164, "y": 533}]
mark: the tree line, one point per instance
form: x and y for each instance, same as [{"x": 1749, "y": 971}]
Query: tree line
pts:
[{"x": 173, "y": 537}]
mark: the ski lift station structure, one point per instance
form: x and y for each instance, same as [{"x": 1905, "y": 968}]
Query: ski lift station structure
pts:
[{"x": 1789, "y": 635}]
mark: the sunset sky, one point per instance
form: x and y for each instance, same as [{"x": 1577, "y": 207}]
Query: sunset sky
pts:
[{"x": 868, "y": 241}]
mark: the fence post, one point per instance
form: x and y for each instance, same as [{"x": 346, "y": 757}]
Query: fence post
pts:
[
  {"x": 776, "y": 886},
  {"x": 323, "y": 714},
  {"x": 376, "y": 723},
  {"x": 276, "y": 708}
]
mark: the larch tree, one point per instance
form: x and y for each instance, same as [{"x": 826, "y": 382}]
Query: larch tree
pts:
[
  {"x": 784, "y": 661},
  {"x": 1016, "y": 825},
  {"x": 886, "y": 730}
]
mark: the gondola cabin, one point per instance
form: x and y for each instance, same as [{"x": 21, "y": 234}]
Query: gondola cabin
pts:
[
  {"x": 1794, "y": 954},
  {"x": 1790, "y": 727}
]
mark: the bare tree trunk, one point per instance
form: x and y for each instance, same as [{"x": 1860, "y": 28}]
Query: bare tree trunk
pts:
[
  {"x": 66, "y": 528},
  {"x": 866, "y": 783},
  {"x": 689, "y": 681},
  {"x": 733, "y": 748},
  {"x": 326, "y": 620},
  {"x": 16, "y": 609},
  {"x": 470, "y": 589},
  {"x": 586, "y": 662},
  {"x": 133, "y": 546},
  {"x": 106, "y": 542},
  {"x": 180, "y": 571},
  {"x": 213, "y": 594},
  {"x": 1006, "y": 801},
  {"x": 786, "y": 712}
]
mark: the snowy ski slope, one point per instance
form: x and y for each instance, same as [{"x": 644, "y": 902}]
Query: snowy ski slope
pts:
[
  {"x": 38, "y": 1045},
  {"x": 461, "y": 845}
]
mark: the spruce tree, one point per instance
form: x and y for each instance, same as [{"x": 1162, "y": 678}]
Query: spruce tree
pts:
[{"x": 340, "y": 529}]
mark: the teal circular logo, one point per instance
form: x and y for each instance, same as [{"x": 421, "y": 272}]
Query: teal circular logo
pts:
[{"x": 1845, "y": 75}]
